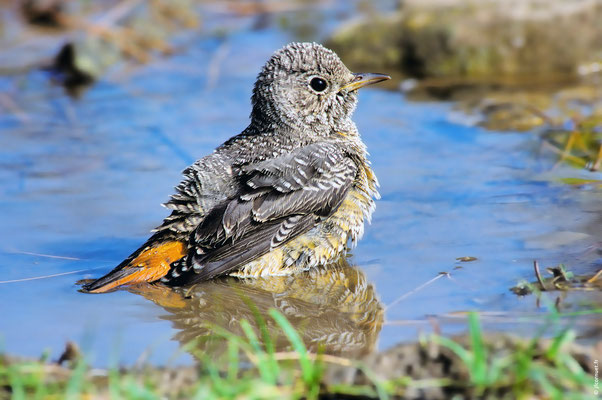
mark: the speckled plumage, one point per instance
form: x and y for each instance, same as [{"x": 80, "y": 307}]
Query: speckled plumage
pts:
[{"x": 286, "y": 194}]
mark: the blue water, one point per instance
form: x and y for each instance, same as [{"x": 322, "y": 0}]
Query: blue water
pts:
[{"x": 83, "y": 179}]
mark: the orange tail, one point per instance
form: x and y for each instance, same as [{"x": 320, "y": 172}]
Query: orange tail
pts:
[{"x": 151, "y": 263}]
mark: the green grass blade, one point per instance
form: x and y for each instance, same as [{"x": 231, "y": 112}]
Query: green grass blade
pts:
[
  {"x": 262, "y": 325},
  {"x": 268, "y": 343},
  {"x": 479, "y": 352},
  {"x": 460, "y": 351},
  {"x": 307, "y": 367},
  {"x": 380, "y": 387},
  {"x": 233, "y": 359},
  {"x": 559, "y": 340},
  {"x": 75, "y": 385},
  {"x": 16, "y": 383},
  {"x": 263, "y": 364}
]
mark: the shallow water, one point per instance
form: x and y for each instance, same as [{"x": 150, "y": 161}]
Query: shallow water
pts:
[{"x": 82, "y": 180}]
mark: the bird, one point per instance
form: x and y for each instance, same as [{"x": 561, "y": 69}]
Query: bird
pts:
[{"x": 291, "y": 192}]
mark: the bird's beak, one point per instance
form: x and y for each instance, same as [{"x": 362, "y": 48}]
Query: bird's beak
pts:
[{"x": 364, "y": 78}]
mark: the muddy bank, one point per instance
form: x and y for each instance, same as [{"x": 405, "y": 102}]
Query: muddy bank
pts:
[
  {"x": 420, "y": 362},
  {"x": 436, "y": 368}
]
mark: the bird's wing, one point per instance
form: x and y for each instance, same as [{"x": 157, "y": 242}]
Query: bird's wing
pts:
[
  {"x": 206, "y": 184},
  {"x": 278, "y": 200}
]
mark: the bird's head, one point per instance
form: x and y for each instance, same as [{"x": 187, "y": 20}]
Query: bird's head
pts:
[{"x": 307, "y": 87}]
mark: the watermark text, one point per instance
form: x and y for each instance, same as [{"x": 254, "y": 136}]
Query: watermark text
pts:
[{"x": 596, "y": 382}]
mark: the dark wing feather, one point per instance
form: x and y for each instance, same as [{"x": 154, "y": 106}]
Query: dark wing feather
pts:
[
  {"x": 278, "y": 200},
  {"x": 229, "y": 257}
]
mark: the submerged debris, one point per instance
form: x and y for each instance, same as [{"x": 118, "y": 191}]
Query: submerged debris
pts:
[
  {"x": 466, "y": 259},
  {"x": 561, "y": 280}
]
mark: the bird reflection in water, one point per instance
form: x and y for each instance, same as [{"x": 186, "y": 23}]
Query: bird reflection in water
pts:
[{"x": 333, "y": 308}]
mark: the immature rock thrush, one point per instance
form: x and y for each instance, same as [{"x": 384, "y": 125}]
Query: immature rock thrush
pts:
[{"x": 285, "y": 195}]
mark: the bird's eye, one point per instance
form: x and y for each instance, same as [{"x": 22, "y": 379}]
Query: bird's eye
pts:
[{"x": 318, "y": 84}]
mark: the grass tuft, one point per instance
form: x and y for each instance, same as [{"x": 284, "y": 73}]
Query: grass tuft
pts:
[{"x": 250, "y": 368}]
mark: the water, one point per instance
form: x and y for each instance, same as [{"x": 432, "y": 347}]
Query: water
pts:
[{"x": 82, "y": 180}]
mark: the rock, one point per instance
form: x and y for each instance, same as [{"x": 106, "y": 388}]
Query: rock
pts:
[
  {"x": 496, "y": 40},
  {"x": 72, "y": 68},
  {"x": 45, "y": 13}
]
